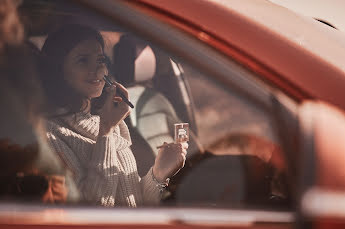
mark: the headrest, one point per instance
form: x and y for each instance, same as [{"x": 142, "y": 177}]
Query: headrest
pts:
[
  {"x": 145, "y": 65},
  {"x": 133, "y": 61}
]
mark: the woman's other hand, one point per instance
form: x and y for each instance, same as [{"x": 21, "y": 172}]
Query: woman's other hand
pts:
[
  {"x": 114, "y": 109},
  {"x": 57, "y": 190},
  {"x": 170, "y": 159}
]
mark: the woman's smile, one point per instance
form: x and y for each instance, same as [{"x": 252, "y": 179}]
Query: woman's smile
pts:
[{"x": 95, "y": 82}]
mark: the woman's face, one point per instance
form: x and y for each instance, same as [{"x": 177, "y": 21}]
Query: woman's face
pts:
[{"x": 84, "y": 68}]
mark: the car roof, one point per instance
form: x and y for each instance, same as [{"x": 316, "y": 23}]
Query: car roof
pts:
[
  {"x": 330, "y": 11},
  {"x": 299, "y": 30},
  {"x": 302, "y": 51}
]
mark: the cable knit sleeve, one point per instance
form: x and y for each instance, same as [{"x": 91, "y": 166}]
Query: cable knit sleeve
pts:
[
  {"x": 101, "y": 182},
  {"x": 97, "y": 181},
  {"x": 150, "y": 190}
]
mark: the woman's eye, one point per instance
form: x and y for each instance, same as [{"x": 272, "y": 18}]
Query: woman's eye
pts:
[
  {"x": 101, "y": 60},
  {"x": 82, "y": 60}
]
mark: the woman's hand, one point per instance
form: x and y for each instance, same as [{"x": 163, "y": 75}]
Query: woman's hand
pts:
[
  {"x": 57, "y": 190},
  {"x": 170, "y": 159},
  {"x": 111, "y": 114}
]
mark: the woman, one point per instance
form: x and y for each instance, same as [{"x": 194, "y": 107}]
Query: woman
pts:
[{"x": 96, "y": 148}]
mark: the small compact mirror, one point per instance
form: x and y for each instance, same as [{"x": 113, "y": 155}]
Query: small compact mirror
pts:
[{"x": 181, "y": 132}]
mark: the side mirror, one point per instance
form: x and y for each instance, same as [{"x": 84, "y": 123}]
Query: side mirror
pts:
[{"x": 322, "y": 165}]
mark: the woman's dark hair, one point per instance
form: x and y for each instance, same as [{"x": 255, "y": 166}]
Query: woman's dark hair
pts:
[{"x": 56, "y": 47}]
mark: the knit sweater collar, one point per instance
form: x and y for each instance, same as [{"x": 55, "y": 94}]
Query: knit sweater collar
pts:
[{"x": 88, "y": 125}]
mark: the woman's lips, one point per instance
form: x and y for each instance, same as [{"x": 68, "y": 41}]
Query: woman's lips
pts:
[{"x": 95, "y": 82}]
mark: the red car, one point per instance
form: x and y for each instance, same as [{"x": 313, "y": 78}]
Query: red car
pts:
[{"x": 261, "y": 88}]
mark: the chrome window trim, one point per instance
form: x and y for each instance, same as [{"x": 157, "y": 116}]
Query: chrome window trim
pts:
[{"x": 50, "y": 215}]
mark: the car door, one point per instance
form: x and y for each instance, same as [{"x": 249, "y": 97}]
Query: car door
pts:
[{"x": 247, "y": 130}]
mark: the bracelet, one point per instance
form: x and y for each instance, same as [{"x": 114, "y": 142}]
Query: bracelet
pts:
[{"x": 159, "y": 185}]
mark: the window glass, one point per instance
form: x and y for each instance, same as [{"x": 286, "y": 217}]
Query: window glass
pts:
[
  {"x": 240, "y": 163},
  {"x": 231, "y": 142},
  {"x": 220, "y": 111}
]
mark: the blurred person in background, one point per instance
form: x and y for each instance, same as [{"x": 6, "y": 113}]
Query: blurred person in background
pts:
[{"x": 29, "y": 171}]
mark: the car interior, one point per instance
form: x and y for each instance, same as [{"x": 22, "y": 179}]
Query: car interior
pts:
[
  {"x": 160, "y": 90},
  {"x": 160, "y": 94}
]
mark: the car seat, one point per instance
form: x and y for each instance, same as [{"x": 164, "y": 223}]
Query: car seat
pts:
[{"x": 138, "y": 67}]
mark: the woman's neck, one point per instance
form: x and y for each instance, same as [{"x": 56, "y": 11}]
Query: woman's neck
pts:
[{"x": 86, "y": 105}]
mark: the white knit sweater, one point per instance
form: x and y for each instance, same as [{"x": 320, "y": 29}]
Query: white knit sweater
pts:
[{"x": 104, "y": 168}]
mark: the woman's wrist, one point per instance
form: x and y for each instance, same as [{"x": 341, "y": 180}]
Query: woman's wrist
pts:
[
  {"x": 103, "y": 132},
  {"x": 157, "y": 175},
  {"x": 160, "y": 185},
  {"x": 103, "y": 129}
]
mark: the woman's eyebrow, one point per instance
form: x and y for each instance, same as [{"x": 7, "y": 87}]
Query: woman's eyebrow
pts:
[
  {"x": 88, "y": 54},
  {"x": 81, "y": 55}
]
